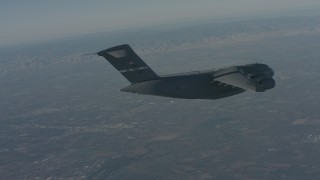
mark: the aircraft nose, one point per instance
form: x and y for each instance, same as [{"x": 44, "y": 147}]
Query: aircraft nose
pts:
[
  {"x": 267, "y": 83},
  {"x": 271, "y": 72}
]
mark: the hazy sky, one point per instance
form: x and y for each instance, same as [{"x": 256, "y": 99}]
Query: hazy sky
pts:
[{"x": 23, "y": 21}]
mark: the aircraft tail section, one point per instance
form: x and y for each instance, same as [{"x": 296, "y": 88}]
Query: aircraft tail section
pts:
[{"x": 128, "y": 63}]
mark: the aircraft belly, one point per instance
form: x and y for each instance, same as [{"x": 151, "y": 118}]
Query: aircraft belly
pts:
[{"x": 187, "y": 88}]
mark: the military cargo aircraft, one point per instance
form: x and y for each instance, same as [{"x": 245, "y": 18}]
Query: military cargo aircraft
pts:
[{"x": 213, "y": 84}]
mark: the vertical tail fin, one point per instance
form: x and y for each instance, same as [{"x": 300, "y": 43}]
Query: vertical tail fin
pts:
[{"x": 128, "y": 63}]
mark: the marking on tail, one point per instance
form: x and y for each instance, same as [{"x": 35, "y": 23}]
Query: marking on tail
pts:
[{"x": 129, "y": 64}]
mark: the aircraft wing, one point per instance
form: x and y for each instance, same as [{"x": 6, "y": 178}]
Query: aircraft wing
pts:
[{"x": 236, "y": 79}]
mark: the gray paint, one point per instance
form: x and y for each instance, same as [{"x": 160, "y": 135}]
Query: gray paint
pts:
[{"x": 213, "y": 84}]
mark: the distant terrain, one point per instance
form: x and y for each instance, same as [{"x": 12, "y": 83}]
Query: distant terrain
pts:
[{"x": 62, "y": 114}]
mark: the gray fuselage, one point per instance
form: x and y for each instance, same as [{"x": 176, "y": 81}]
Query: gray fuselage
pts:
[
  {"x": 213, "y": 84},
  {"x": 196, "y": 85}
]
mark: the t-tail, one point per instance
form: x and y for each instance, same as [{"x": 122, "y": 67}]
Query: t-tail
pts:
[{"x": 128, "y": 63}]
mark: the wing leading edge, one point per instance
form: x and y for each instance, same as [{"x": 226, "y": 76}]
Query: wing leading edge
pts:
[
  {"x": 256, "y": 79},
  {"x": 237, "y": 79}
]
